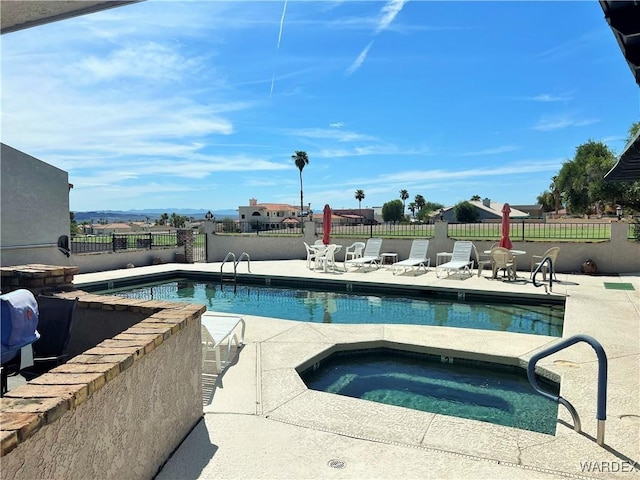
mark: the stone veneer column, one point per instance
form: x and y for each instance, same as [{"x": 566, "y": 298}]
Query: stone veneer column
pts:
[{"x": 185, "y": 237}]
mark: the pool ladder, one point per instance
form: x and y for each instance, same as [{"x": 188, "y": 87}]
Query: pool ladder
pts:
[
  {"x": 548, "y": 260},
  {"x": 232, "y": 255},
  {"x": 601, "y": 413}
]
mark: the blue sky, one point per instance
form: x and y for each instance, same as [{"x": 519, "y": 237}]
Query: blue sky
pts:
[{"x": 171, "y": 105}]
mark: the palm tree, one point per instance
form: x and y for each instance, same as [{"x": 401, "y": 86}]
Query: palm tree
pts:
[
  {"x": 403, "y": 196},
  {"x": 419, "y": 201},
  {"x": 301, "y": 159},
  {"x": 360, "y": 197},
  {"x": 412, "y": 208},
  {"x": 555, "y": 192},
  {"x": 475, "y": 198}
]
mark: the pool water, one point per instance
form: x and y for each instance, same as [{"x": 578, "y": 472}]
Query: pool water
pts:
[
  {"x": 488, "y": 393},
  {"x": 333, "y": 307}
]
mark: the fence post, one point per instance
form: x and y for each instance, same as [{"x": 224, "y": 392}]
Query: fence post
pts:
[
  {"x": 523, "y": 230},
  {"x": 113, "y": 241}
]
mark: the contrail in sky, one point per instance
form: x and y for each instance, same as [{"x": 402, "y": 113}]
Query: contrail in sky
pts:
[
  {"x": 284, "y": 11},
  {"x": 361, "y": 58},
  {"x": 389, "y": 11}
]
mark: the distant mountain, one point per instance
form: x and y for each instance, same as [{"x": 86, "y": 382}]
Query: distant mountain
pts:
[{"x": 112, "y": 216}]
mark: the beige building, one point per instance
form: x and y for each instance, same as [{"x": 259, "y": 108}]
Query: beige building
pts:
[
  {"x": 35, "y": 210},
  {"x": 270, "y": 216}
]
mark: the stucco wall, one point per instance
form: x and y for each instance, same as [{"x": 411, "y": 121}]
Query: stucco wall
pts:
[
  {"x": 618, "y": 255},
  {"x": 99, "y": 262},
  {"x": 35, "y": 209},
  {"x": 128, "y": 428}
]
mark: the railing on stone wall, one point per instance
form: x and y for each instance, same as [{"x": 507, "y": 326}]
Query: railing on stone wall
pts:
[
  {"x": 385, "y": 230},
  {"x": 527, "y": 231},
  {"x": 122, "y": 241},
  {"x": 524, "y": 230}
]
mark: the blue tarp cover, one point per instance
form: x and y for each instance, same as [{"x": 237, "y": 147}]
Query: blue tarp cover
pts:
[{"x": 19, "y": 325}]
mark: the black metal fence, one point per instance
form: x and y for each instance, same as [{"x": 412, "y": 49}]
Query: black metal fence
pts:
[
  {"x": 386, "y": 230},
  {"x": 231, "y": 227},
  {"x": 634, "y": 230},
  {"x": 529, "y": 231},
  {"x": 122, "y": 241},
  {"x": 520, "y": 231}
]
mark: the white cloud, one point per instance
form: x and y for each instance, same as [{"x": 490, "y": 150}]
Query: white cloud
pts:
[
  {"x": 375, "y": 149},
  {"x": 330, "y": 134},
  {"x": 149, "y": 62},
  {"x": 546, "y": 97},
  {"x": 557, "y": 123},
  {"x": 492, "y": 151}
]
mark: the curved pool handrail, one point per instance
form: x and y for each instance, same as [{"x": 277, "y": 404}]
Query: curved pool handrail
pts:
[
  {"x": 235, "y": 278},
  {"x": 242, "y": 255},
  {"x": 548, "y": 260},
  {"x": 601, "y": 413}
]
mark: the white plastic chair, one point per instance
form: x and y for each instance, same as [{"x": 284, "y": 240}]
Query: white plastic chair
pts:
[
  {"x": 327, "y": 258},
  {"x": 311, "y": 255},
  {"x": 482, "y": 259},
  {"x": 417, "y": 258},
  {"x": 503, "y": 259},
  {"x": 354, "y": 251},
  {"x": 536, "y": 259}
]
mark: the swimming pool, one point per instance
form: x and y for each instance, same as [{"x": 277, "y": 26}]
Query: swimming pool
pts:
[
  {"x": 481, "y": 391},
  {"x": 333, "y": 307}
]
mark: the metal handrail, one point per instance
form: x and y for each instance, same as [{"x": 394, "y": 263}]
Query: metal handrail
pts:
[
  {"x": 601, "y": 413},
  {"x": 549, "y": 260},
  {"x": 244, "y": 254},
  {"x": 235, "y": 277}
]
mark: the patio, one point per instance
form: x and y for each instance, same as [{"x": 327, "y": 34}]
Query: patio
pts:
[{"x": 261, "y": 422}]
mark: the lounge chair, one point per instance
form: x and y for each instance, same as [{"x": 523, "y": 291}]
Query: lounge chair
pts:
[
  {"x": 417, "y": 258},
  {"x": 537, "y": 259},
  {"x": 370, "y": 256},
  {"x": 460, "y": 259},
  {"x": 217, "y": 331},
  {"x": 503, "y": 259},
  {"x": 55, "y": 321}
]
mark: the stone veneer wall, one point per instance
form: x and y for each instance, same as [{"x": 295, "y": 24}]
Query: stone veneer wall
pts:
[
  {"x": 119, "y": 409},
  {"x": 37, "y": 278}
]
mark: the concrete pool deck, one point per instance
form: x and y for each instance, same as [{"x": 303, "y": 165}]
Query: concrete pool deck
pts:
[{"x": 261, "y": 422}]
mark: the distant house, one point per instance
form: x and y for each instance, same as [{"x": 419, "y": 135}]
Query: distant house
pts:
[
  {"x": 269, "y": 216},
  {"x": 109, "y": 228},
  {"x": 338, "y": 218},
  {"x": 355, "y": 216},
  {"x": 486, "y": 209},
  {"x": 534, "y": 211}
]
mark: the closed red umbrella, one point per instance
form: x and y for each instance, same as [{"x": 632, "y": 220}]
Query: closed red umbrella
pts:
[
  {"x": 326, "y": 225},
  {"x": 505, "y": 242}
]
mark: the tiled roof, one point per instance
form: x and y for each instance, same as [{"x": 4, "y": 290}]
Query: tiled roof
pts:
[
  {"x": 277, "y": 206},
  {"x": 496, "y": 209}
]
